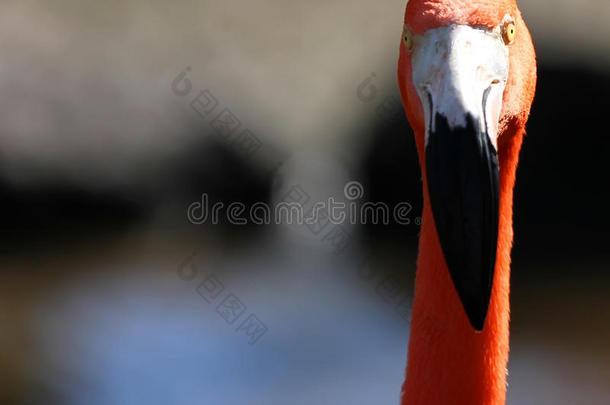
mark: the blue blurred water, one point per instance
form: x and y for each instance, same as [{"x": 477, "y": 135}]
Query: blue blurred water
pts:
[{"x": 144, "y": 335}]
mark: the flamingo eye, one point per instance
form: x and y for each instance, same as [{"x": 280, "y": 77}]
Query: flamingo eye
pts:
[
  {"x": 407, "y": 38},
  {"x": 509, "y": 33}
]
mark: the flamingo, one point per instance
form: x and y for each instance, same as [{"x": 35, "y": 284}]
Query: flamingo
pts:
[{"x": 467, "y": 77}]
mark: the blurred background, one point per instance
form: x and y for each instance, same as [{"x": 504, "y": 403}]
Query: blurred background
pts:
[{"x": 116, "y": 116}]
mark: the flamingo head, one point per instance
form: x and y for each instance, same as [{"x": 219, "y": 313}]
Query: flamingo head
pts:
[{"x": 467, "y": 74}]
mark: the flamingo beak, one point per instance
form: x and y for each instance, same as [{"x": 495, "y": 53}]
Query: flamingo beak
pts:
[{"x": 460, "y": 74}]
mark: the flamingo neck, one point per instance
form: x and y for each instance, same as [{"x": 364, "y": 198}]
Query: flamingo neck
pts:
[{"x": 448, "y": 361}]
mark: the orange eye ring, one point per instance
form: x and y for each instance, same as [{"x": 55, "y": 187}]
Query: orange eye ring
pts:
[
  {"x": 407, "y": 39},
  {"x": 509, "y": 33}
]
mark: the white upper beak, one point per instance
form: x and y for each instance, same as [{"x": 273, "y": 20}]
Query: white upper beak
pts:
[{"x": 459, "y": 71}]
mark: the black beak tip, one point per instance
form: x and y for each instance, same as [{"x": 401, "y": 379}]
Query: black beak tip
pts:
[
  {"x": 476, "y": 316},
  {"x": 463, "y": 184},
  {"x": 477, "y": 327},
  {"x": 474, "y": 297}
]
